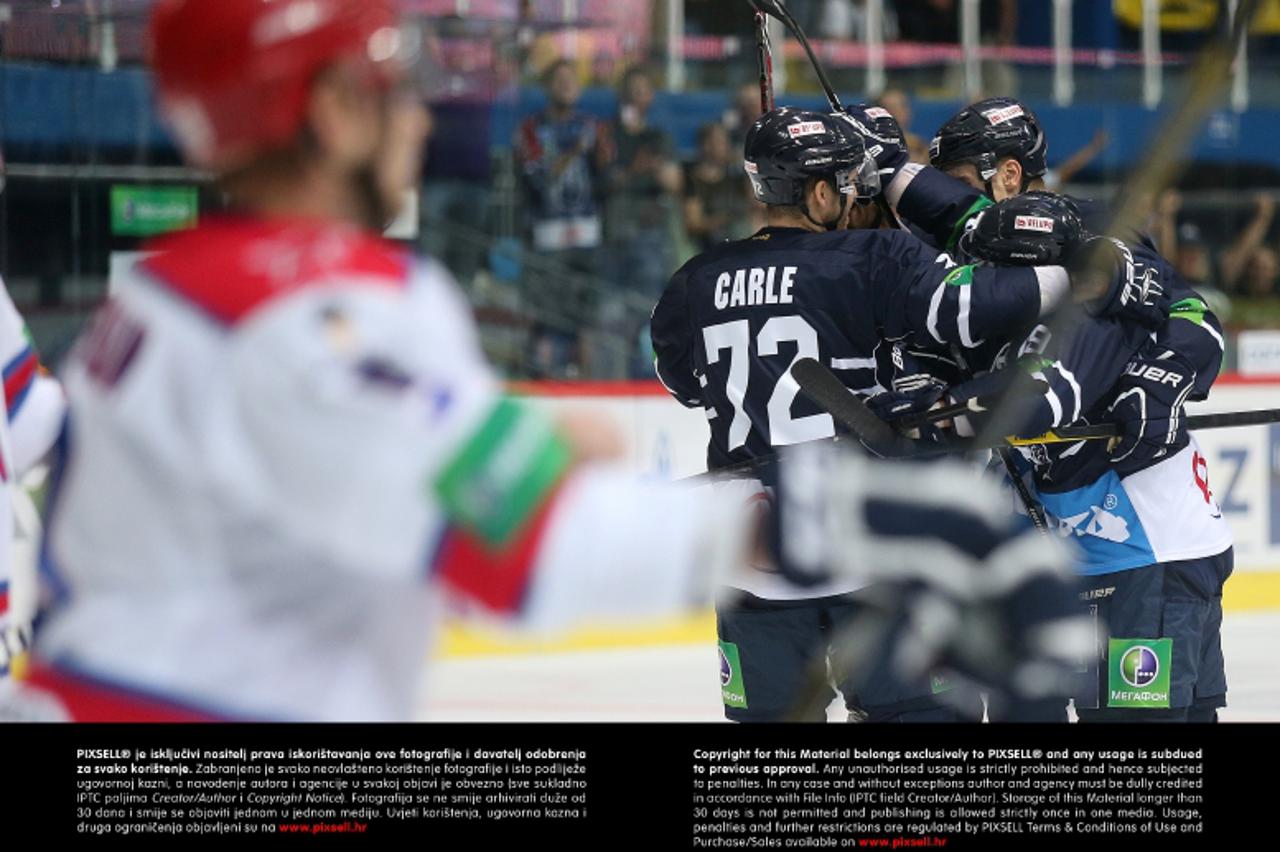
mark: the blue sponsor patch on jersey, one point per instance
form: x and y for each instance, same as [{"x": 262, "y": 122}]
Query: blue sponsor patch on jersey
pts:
[{"x": 1102, "y": 521}]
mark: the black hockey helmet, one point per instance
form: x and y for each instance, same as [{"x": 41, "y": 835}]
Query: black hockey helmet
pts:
[
  {"x": 988, "y": 131},
  {"x": 876, "y": 125},
  {"x": 1033, "y": 229},
  {"x": 788, "y": 147}
]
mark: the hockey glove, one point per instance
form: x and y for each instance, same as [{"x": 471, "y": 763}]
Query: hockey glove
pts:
[
  {"x": 1149, "y": 410},
  {"x": 1108, "y": 281},
  {"x": 914, "y": 394}
]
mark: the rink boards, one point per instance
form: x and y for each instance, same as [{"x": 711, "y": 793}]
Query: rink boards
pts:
[{"x": 667, "y": 440}]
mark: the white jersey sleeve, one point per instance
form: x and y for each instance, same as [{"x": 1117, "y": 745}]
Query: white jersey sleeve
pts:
[{"x": 270, "y": 486}]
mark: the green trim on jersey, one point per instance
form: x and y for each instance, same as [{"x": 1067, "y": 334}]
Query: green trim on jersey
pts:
[
  {"x": 1192, "y": 310},
  {"x": 504, "y": 473},
  {"x": 958, "y": 231},
  {"x": 961, "y": 276}
]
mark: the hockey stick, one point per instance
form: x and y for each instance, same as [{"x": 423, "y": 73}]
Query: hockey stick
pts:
[
  {"x": 777, "y": 9},
  {"x": 821, "y": 385},
  {"x": 1159, "y": 169},
  {"x": 1195, "y": 422},
  {"x": 764, "y": 59}
]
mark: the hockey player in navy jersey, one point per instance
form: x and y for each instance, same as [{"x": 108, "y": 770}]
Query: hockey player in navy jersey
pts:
[
  {"x": 732, "y": 322},
  {"x": 1155, "y": 548}
]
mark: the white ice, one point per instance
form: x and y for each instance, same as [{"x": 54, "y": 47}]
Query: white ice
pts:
[{"x": 680, "y": 683}]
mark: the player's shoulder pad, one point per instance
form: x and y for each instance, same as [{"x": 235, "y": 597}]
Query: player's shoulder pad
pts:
[{"x": 233, "y": 267}]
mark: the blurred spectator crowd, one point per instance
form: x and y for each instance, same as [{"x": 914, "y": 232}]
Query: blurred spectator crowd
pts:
[{"x": 611, "y": 207}]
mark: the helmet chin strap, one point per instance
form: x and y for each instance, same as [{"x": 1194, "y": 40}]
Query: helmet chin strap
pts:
[{"x": 834, "y": 223}]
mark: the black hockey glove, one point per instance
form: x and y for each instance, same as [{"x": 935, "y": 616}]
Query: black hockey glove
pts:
[
  {"x": 914, "y": 394},
  {"x": 1149, "y": 409},
  {"x": 1108, "y": 281},
  {"x": 990, "y": 599}
]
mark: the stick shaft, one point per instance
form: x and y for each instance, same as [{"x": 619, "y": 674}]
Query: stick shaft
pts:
[
  {"x": 764, "y": 59},
  {"x": 780, "y": 12}
]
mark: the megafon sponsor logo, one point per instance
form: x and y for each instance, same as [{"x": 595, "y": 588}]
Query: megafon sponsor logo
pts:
[{"x": 1139, "y": 666}]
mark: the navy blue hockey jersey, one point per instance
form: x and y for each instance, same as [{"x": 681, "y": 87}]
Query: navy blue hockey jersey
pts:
[{"x": 734, "y": 319}]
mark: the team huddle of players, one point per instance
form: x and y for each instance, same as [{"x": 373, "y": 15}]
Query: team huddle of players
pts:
[
  {"x": 963, "y": 281},
  {"x": 282, "y": 437}
]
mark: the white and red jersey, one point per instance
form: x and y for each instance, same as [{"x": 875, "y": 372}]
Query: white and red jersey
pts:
[
  {"x": 279, "y": 433},
  {"x": 33, "y": 410}
]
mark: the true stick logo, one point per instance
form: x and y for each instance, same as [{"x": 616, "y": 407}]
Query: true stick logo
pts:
[
  {"x": 731, "y": 689},
  {"x": 1139, "y": 672}
]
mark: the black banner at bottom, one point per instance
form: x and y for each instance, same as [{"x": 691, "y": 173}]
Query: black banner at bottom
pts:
[{"x": 652, "y": 786}]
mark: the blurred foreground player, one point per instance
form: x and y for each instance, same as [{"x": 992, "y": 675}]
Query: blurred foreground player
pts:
[
  {"x": 282, "y": 428},
  {"x": 33, "y": 411}
]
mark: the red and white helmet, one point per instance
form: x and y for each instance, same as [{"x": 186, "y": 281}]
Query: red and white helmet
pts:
[{"x": 233, "y": 76}]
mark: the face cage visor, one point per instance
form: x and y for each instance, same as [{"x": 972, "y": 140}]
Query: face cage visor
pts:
[{"x": 863, "y": 182}]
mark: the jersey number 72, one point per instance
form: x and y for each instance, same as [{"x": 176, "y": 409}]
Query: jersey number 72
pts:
[{"x": 735, "y": 336}]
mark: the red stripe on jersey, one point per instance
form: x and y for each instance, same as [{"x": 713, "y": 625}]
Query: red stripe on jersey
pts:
[
  {"x": 495, "y": 579},
  {"x": 89, "y": 702},
  {"x": 20, "y": 378},
  {"x": 231, "y": 267},
  {"x": 4, "y": 602}
]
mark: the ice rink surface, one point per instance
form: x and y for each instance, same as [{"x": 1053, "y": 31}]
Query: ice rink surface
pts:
[{"x": 679, "y": 683}]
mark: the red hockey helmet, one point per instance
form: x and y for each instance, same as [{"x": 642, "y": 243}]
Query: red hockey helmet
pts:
[{"x": 233, "y": 75}]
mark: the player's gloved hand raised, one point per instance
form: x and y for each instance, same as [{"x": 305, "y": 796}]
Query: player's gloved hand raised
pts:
[
  {"x": 1108, "y": 281},
  {"x": 884, "y": 138},
  {"x": 1149, "y": 410}
]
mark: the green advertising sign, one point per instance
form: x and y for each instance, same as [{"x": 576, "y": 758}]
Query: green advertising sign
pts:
[
  {"x": 143, "y": 211},
  {"x": 731, "y": 688},
  {"x": 1138, "y": 672}
]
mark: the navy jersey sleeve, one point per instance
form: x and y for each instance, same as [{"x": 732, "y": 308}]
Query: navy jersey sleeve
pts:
[
  {"x": 921, "y": 294},
  {"x": 673, "y": 339},
  {"x": 936, "y": 203},
  {"x": 1082, "y": 374},
  {"x": 1194, "y": 335}
]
